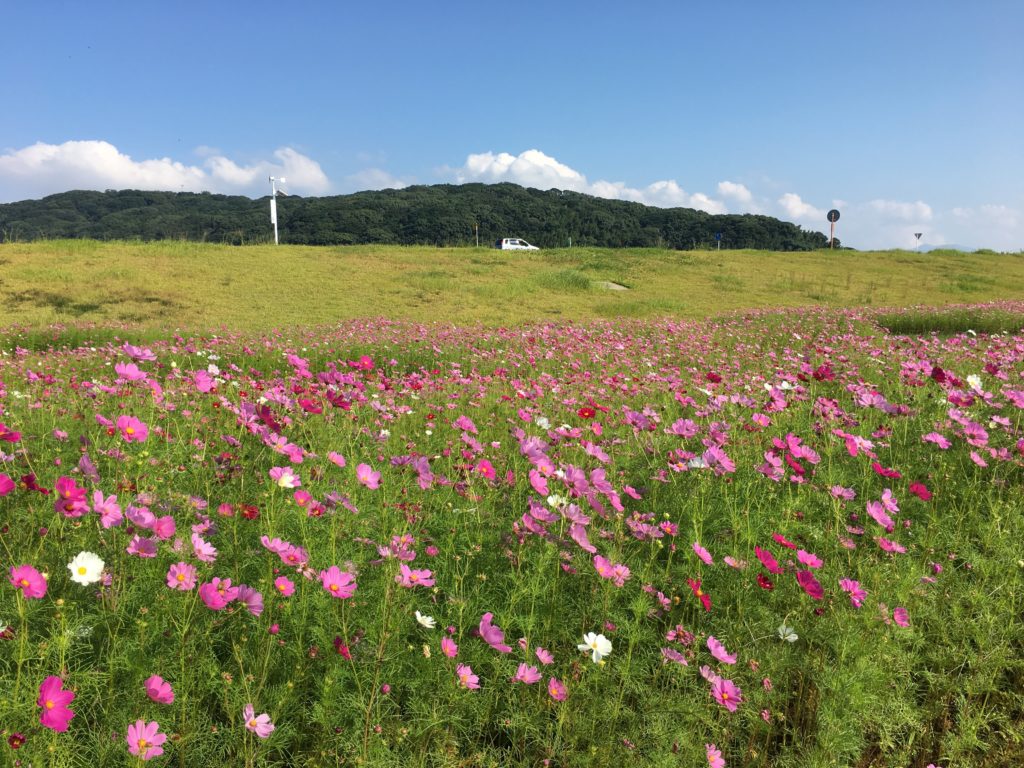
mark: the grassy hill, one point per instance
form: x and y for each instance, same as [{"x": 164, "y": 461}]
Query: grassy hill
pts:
[{"x": 166, "y": 285}]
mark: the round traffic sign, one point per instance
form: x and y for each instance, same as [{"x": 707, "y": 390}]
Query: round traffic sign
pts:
[{"x": 833, "y": 215}]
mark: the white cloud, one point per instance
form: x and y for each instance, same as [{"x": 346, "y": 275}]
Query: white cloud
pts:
[
  {"x": 533, "y": 168},
  {"x": 44, "y": 169},
  {"x": 734, "y": 191},
  {"x": 894, "y": 209},
  {"x": 374, "y": 178},
  {"x": 796, "y": 208}
]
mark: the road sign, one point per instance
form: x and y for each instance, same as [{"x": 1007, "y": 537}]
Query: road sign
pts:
[{"x": 833, "y": 216}]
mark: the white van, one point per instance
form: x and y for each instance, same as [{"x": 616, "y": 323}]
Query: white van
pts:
[{"x": 514, "y": 244}]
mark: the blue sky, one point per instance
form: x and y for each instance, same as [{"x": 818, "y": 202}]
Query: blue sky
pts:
[{"x": 905, "y": 115}]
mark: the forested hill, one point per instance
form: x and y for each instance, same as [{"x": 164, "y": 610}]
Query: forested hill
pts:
[{"x": 441, "y": 215}]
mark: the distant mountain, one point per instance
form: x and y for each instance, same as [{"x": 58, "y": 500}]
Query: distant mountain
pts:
[{"x": 442, "y": 215}]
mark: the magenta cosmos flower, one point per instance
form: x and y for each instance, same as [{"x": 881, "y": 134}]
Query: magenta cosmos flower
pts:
[
  {"x": 144, "y": 739},
  {"x": 526, "y": 674},
  {"x": 54, "y": 700},
  {"x": 556, "y": 689},
  {"x": 133, "y": 431},
  {"x": 159, "y": 690},
  {"x": 338, "y": 583},
  {"x": 258, "y": 724},
  {"x": 28, "y": 580},
  {"x": 284, "y": 586},
  {"x": 217, "y": 593}
]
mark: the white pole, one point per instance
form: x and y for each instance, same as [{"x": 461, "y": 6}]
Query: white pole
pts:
[{"x": 273, "y": 206}]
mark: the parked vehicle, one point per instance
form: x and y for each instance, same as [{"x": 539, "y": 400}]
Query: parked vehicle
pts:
[{"x": 514, "y": 244}]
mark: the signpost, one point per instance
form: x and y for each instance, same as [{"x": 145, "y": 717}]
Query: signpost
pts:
[
  {"x": 833, "y": 217},
  {"x": 918, "y": 236},
  {"x": 273, "y": 203},
  {"x": 718, "y": 237}
]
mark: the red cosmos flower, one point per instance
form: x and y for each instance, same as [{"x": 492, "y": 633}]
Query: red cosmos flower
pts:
[
  {"x": 713, "y": 377},
  {"x": 699, "y": 593},
  {"x": 586, "y": 412},
  {"x": 892, "y": 474},
  {"x": 764, "y": 582},
  {"x": 8, "y": 435},
  {"x": 779, "y": 538},
  {"x": 16, "y": 740},
  {"x": 921, "y": 491},
  {"x": 768, "y": 560},
  {"x": 342, "y": 649}
]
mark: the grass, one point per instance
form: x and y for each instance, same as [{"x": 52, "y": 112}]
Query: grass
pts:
[{"x": 198, "y": 286}]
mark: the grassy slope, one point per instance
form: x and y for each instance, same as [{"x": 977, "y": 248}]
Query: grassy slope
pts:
[{"x": 198, "y": 286}]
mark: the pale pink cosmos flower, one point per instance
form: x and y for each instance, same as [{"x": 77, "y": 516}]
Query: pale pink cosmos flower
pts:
[
  {"x": 410, "y": 577},
  {"x": 714, "y": 756},
  {"x": 144, "y": 739},
  {"x": 466, "y": 677},
  {"x": 285, "y": 477},
  {"x": 856, "y": 592},
  {"x": 181, "y": 576},
  {"x": 107, "y": 508},
  {"x": 251, "y": 599},
  {"x": 493, "y": 634},
  {"x": 159, "y": 690},
  {"x": 526, "y": 674},
  {"x": 366, "y": 476},
  {"x": 284, "y": 586},
  {"x": 719, "y": 652},
  {"x": 203, "y": 549},
  {"x": 336, "y": 458},
  {"x": 449, "y": 648},
  {"x": 544, "y": 657},
  {"x": 702, "y": 553},
  {"x": 142, "y": 547},
  {"x": 258, "y": 724}
]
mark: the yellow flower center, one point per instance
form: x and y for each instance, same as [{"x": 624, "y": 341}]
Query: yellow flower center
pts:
[
  {"x": 81, "y": 570},
  {"x": 413, "y": 577},
  {"x": 252, "y": 723},
  {"x": 180, "y": 576},
  {"x": 143, "y": 743},
  {"x": 24, "y": 582},
  {"x": 334, "y": 587},
  {"x": 49, "y": 704},
  {"x": 725, "y": 696}
]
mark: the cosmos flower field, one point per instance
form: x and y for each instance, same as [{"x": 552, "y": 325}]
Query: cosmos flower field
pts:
[{"x": 777, "y": 538}]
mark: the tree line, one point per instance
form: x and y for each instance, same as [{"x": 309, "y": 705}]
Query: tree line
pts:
[{"x": 441, "y": 215}]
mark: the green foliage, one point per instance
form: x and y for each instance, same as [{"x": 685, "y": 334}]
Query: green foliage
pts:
[{"x": 441, "y": 215}]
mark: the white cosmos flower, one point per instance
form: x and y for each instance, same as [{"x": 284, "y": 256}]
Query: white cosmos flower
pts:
[
  {"x": 787, "y": 634},
  {"x": 974, "y": 381},
  {"x": 542, "y": 422},
  {"x": 426, "y": 621},
  {"x": 86, "y": 568},
  {"x": 598, "y": 645}
]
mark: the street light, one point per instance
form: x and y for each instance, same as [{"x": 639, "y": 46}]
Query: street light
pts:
[{"x": 273, "y": 203}]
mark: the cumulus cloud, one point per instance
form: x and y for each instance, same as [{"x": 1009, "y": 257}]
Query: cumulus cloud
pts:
[
  {"x": 374, "y": 178},
  {"x": 894, "y": 209},
  {"x": 44, "y": 169},
  {"x": 734, "y": 191},
  {"x": 796, "y": 208},
  {"x": 533, "y": 168}
]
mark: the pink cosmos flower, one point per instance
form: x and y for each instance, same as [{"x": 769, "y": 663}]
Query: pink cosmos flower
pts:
[
  {"x": 877, "y": 512},
  {"x": 204, "y": 550},
  {"x": 142, "y": 547},
  {"x": 70, "y": 498},
  {"x": 449, "y": 648},
  {"x": 54, "y": 700},
  {"x": 699, "y": 593},
  {"x": 466, "y": 677},
  {"x": 485, "y": 469},
  {"x": 526, "y": 674},
  {"x": 366, "y": 476},
  {"x": 164, "y": 527},
  {"x": 409, "y": 577},
  {"x": 284, "y": 586},
  {"x": 719, "y": 652},
  {"x": 890, "y": 546},
  {"x": 493, "y": 635},
  {"x": 181, "y": 576},
  {"x": 901, "y": 617},
  {"x": 809, "y": 559},
  {"x": 726, "y": 693},
  {"x": 768, "y": 560},
  {"x": 556, "y": 689},
  {"x": 544, "y": 657},
  {"x": 856, "y": 592},
  {"x": 251, "y": 599},
  {"x": 129, "y": 371},
  {"x": 258, "y": 724},
  {"x": 159, "y": 690},
  {"x": 714, "y": 755},
  {"x": 218, "y": 593},
  {"x": 338, "y": 583},
  {"x": 671, "y": 654},
  {"x": 702, "y": 553},
  {"x": 107, "y": 508},
  {"x": 6, "y": 484},
  {"x": 132, "y": 430},
  {"x": 336, "y": 458},
  {"x": 285, "y": 477},
  {"x": 28, "y": 580}
]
